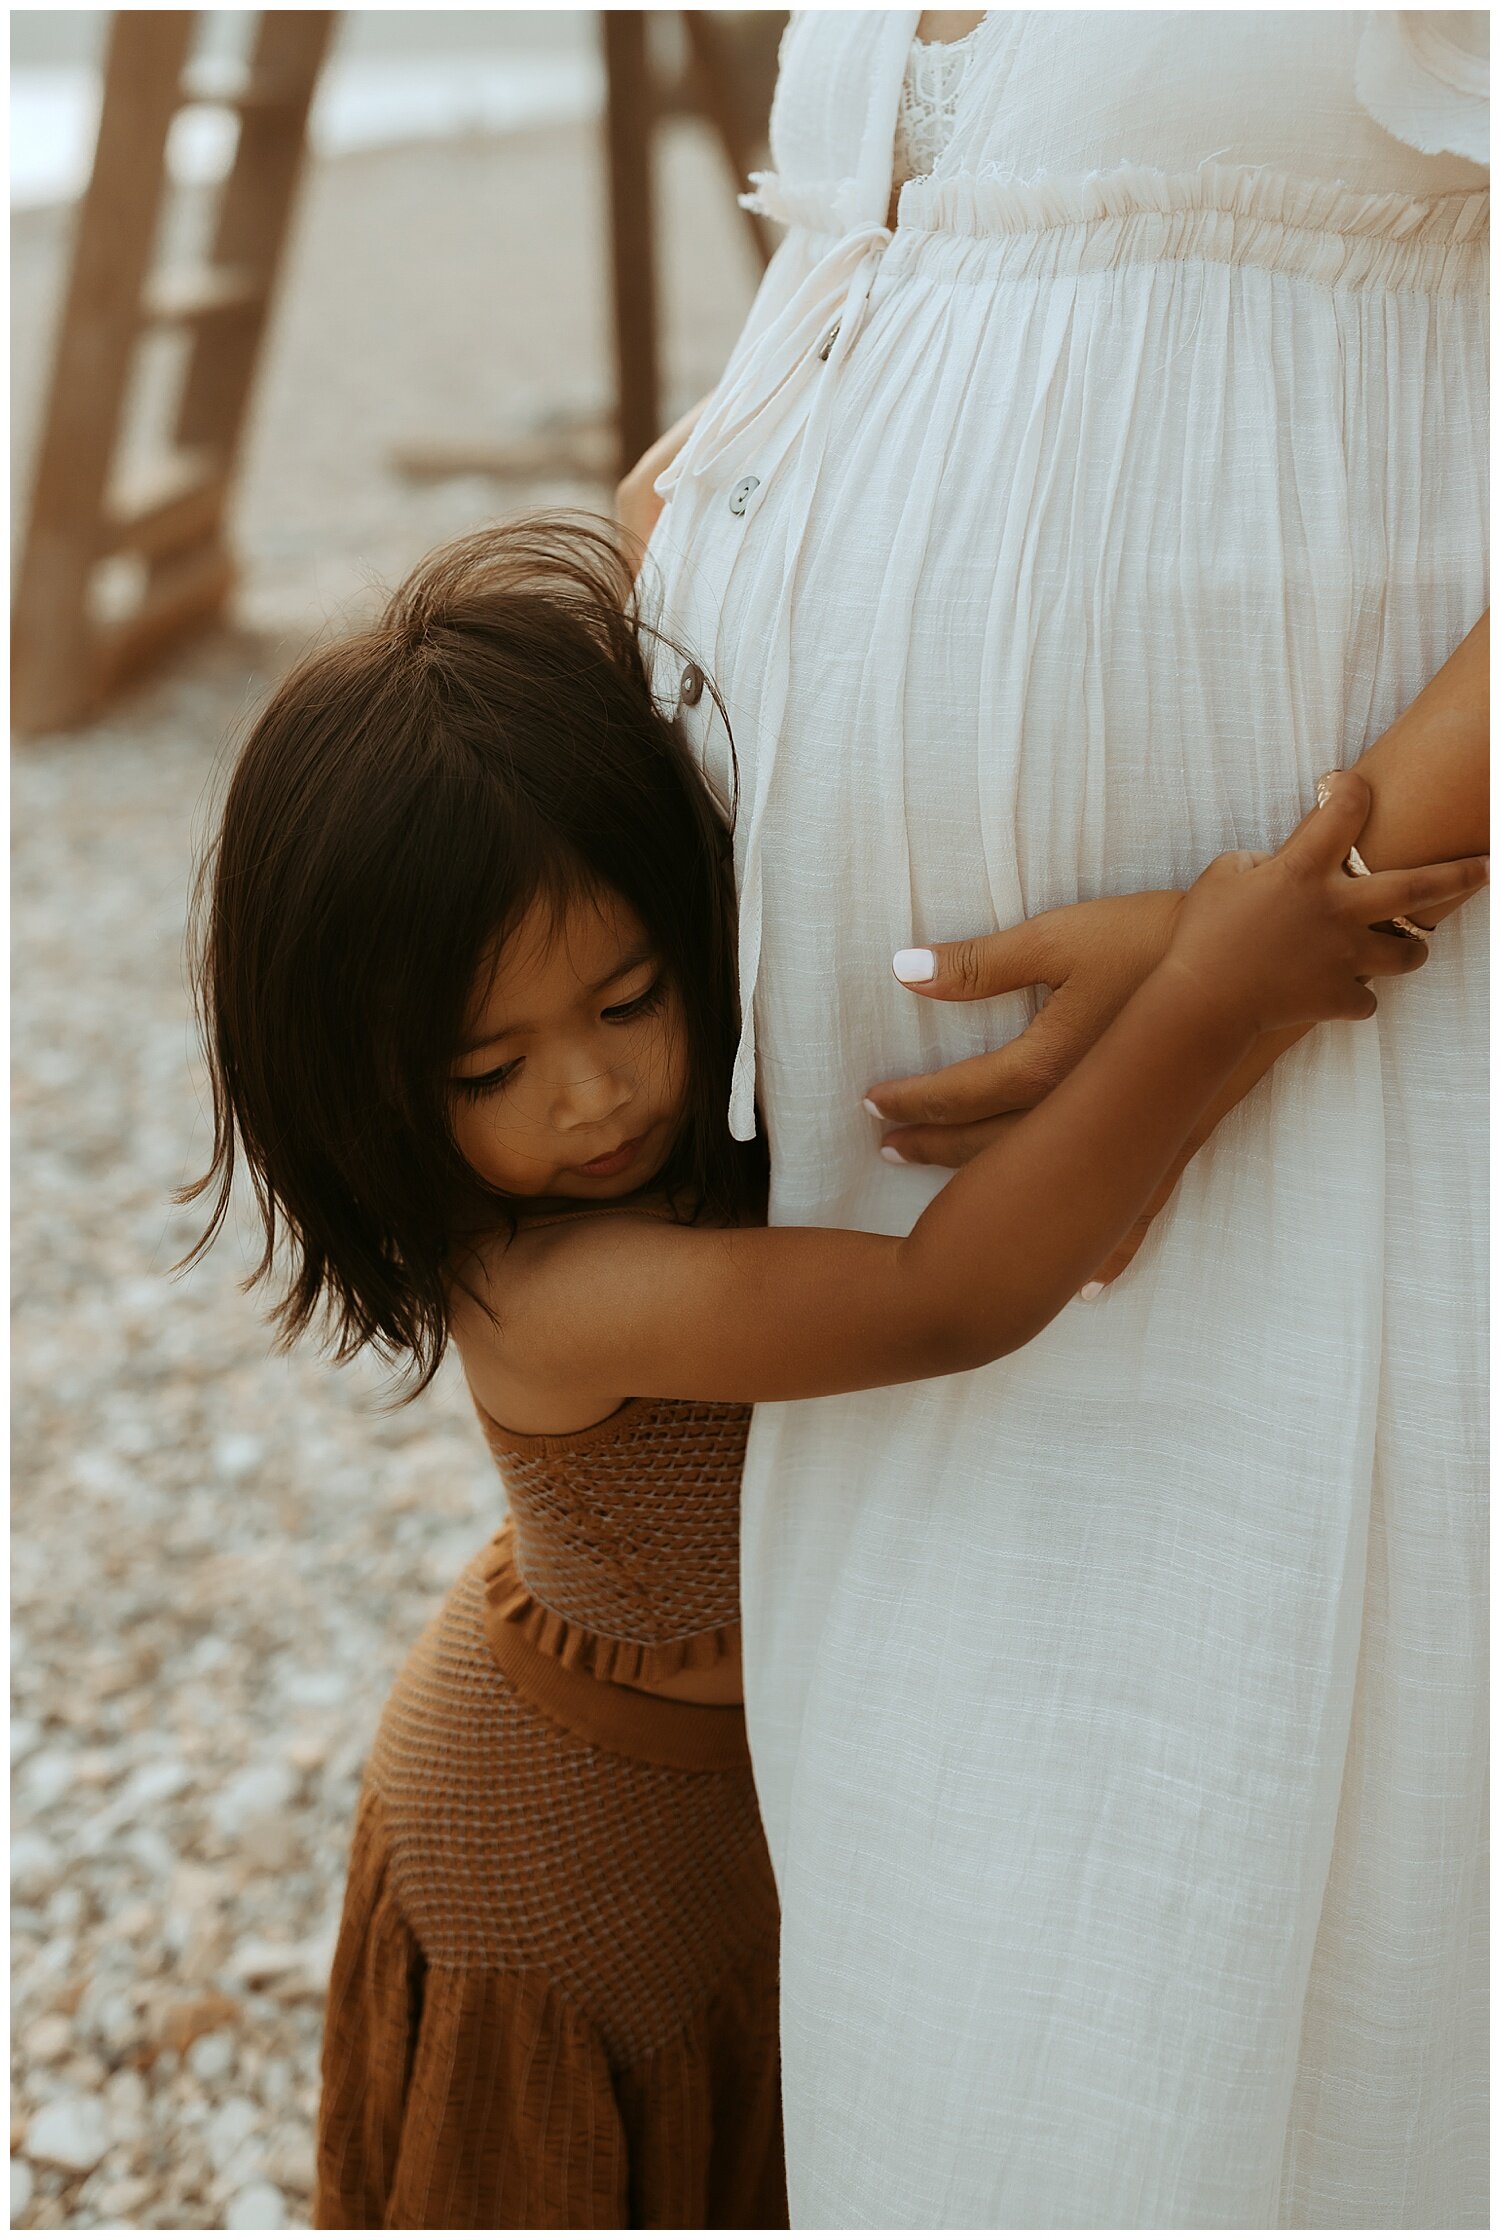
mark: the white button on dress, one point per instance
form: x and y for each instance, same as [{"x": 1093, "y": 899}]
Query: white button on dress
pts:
[{"x": 1117, "y": 1709}]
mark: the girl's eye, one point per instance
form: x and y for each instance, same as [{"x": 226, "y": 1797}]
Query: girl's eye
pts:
[
  {"x": 638, "y": 1006},
  {"x": 480, "y": 1084}
]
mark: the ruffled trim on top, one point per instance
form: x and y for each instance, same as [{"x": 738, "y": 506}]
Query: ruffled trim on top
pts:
[
  {"x": 630, "y": 1663},
  {"x": 1422, "y": 87},
  {"x": 822, "y": 205}
]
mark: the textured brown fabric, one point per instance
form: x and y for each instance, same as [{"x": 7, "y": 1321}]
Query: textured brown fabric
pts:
[
  {"x": 554, "y": 1995},
  {"x": 627, "y": 1537}
]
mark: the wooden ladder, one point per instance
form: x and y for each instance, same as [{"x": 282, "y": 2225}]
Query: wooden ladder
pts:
[{"x": 66, "y": 655}]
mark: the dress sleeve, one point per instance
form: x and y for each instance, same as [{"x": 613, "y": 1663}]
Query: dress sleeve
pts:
[{"x": 1424, "y": 75}]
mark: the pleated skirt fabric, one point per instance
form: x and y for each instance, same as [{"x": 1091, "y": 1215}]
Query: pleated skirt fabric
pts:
[
  {"x": 1118, "y": 1709},
  {"x": 554, "y": 1995}
]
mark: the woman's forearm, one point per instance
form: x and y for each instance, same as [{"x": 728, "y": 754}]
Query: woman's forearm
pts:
[{"x": 1429, "y": 773}]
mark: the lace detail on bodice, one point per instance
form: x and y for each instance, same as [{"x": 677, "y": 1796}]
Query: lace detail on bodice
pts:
[{"x": 929, "y": 103}]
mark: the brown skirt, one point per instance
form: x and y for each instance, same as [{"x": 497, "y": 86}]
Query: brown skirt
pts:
[{"x": 554, "y": 1996}]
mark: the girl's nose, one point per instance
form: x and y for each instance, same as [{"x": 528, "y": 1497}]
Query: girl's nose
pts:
[{"x": 588, "y": 1095}]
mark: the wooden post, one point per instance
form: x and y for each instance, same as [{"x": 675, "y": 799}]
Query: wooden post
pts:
[
  {"x": 51, "y": 669},
  {"x": 628, "y": 135},
  {"x": 719, "y": 99}
]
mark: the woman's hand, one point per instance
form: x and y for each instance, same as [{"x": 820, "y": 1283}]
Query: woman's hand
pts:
[
  {"x": 1092, "y": 956},
  {"x": 1099, "y": 952},
  {"x": 637, "y": 506}
]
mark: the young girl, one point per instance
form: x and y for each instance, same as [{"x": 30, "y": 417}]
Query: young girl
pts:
[{"x": 468, "y": 993}]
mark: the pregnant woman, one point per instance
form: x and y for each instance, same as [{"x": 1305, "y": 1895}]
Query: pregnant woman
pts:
[{"x": 1103, "y": 460}]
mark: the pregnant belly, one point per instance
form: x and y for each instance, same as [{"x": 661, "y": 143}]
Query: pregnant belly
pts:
[
  {"x": 1061, "y": 589},
  {"x": 1100, "y": 577}
]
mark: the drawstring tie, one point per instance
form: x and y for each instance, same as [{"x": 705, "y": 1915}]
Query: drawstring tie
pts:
[
  {"x": 754, "y": 422},
  {"x": 813, "y": 330}
]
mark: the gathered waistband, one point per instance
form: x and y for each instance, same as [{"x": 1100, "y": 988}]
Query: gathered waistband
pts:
[{"x": 987, "y": 224}]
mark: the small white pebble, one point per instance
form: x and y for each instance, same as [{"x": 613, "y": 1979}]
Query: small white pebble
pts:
[
  {"x": 229, "y": 2127},
  {"x": 34, "y": 1866},
  {"x": 211, "y": 2057},
  {"x": 66, "y": 1908},
  {"x": 158, "y": 1782},
  {"x": 47, "y": 1777},
  {"x": 73, "y": 2133},
  {"x": 237, "y": 1453},
  {"x": 48, "y": 2039},
  {"x": 256, "y": 2208},
  {"x": 292, "y": 2163},
  {"x": 256, "y": 1791}
]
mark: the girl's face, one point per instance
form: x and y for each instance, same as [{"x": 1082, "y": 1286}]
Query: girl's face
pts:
[{"x": 571, "y": 1076}]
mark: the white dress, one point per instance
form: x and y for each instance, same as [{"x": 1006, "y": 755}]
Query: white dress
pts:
[{"x": 1117, "y": 1709}]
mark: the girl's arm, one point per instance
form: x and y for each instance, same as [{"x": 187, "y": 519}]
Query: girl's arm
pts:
[
  {"x": 1428, "y": 775},
  {"x": 609, "y": 1309}
]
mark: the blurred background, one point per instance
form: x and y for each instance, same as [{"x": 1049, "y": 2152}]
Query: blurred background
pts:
[{"x": 221, "y": 1555}]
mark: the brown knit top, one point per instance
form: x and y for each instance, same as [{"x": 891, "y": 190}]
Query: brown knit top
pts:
[{"x": 623, "y": 1555}]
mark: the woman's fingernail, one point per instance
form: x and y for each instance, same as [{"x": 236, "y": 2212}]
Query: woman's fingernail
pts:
[
  {"x": 873, "y": 1109},
  {"x": 889, "y": 1151},
  {"x": 913, "y": 966},
  {"x": 1091, "y": 1291}
]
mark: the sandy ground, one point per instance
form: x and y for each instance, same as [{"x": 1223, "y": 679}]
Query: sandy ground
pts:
[{"x": 221, "y": 1554}]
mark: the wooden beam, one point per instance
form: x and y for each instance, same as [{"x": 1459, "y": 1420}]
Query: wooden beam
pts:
[
  {"x": 186, "y": 592},
  {"x": 179, "y": 299},
  {"x": 176, "y": 504},
  {"x": 51, "y": 679},
  {"x": 250, "y": 234},
  {"x": 628, "y": 136}
]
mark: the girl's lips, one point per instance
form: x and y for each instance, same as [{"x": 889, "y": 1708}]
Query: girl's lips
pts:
[{"x": 613, "y": 1162}]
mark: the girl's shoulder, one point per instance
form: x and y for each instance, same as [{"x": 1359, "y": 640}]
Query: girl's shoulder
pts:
[{"x": 518, "y": 1313}]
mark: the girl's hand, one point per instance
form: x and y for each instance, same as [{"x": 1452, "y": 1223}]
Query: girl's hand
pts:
[
  {"x": 1092, "y": 956},
  {"x": 637, "y": 507},
  {"x": 1285, "y": 940}
]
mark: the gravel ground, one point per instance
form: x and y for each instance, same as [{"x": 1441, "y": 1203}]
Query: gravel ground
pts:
[{"x": 220, "y": 1554}]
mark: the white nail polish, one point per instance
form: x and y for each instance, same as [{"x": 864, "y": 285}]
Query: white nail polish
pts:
[
  {"x": 872, "y": 1108},
  {"x": 1091, "y": 1291},
  {"x": 889, "y": 1151},
  {"x": 913, "y": 966}
]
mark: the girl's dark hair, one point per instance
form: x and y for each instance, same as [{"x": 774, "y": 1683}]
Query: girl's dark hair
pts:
[{"x": 399, "y": 805}]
